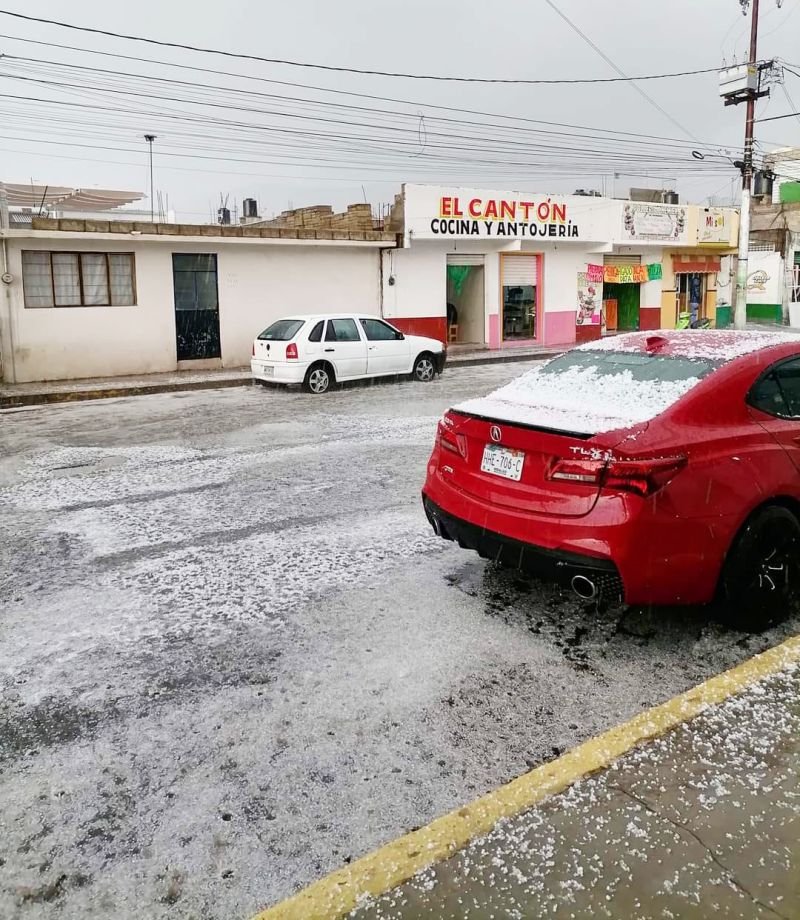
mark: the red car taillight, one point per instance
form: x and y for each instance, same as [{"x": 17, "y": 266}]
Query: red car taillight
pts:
[
  {"x": 291, "y": 352},
  {"x": 448, "y": 440},
  {"x": 641, "y": 477}
]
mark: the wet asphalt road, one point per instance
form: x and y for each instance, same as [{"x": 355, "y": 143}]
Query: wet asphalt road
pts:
[{"x": 233, "y": 656}]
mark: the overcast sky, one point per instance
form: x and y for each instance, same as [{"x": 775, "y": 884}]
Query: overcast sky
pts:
[{"x": 517, "y": 38}]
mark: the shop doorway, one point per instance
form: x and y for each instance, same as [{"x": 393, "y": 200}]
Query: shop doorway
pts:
[
  {"x": 519, "y": 279},
  {"x": 627, "y": 298},
  {"x": 466, "y": 300},
  {"x": 690, "y": 295}
]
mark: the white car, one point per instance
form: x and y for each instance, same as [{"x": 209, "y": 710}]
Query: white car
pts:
[{"x": 322, "y": 349}]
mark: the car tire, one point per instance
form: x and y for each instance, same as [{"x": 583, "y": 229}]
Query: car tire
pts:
[
  {"x": 424, "y": 368},
  {"x": 319, "y": 379},
  {"x": 760, "y": 583}
]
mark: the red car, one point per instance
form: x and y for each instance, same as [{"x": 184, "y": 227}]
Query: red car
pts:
[{"x": 651, "y": 468}]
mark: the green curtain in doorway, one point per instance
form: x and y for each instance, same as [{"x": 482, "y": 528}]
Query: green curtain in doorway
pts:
[
  {"x": 458, "y": 275},
  {"x": 628, "y": 299}
]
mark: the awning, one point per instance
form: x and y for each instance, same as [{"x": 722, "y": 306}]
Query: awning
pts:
[{"x": 27, "y": 195}]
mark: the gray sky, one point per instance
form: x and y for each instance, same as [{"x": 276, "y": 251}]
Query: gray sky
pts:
[{"x": 280, "y": 152}]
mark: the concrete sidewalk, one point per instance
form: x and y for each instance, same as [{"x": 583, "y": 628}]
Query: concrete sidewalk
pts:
[
  {"x": 13, "y": 395},
  {"x": 701, "y": 822}
]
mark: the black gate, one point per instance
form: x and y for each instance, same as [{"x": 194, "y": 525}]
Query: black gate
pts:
[{"x": 194, "y": 278}]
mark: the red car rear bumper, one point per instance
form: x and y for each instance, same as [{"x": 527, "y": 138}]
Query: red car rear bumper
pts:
[{"x": 636, "y": 549}]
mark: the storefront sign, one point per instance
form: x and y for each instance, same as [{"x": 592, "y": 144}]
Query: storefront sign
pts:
[
  {"x": 436, "y": 213},
  {"x": 594, "y": 274},
  {"x": 503, "y": 217},
  {"x": 590, "y": 298},
  {"x": 715, "y": 226},
  {"x": 655, "y": 222}
]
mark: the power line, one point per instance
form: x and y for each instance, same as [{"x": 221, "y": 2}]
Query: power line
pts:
[
  {"x": 779, "y": 117},
  {"x": 373, "y": 73},
  {"x": 622, "y": 74},
  {"x": 415, "y": 103}
]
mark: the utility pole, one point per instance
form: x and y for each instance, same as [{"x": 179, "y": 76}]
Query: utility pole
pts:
[
  {"x": 150, "y": 138},
  {"x": 740, "y": 309}
]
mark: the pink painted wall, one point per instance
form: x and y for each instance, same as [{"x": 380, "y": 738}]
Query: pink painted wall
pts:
[
  {"x": 494, "y": 330},
  {"x": 559, "y": 327}
]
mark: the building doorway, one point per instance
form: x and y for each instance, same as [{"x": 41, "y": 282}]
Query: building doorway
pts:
[
  {"x": 627, "y": 298},
  {"x": 519, "y": 280},
  {"x": 466, "y": 299},
  {"x": 690, "y": 295},
  {"x": 194, "y": 279}
]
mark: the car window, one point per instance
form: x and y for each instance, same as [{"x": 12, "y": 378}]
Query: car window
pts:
[
  {"x": 316, "y": 333},
  {"x": 342, "y": 330},
  {"x": 640, "y": 367},
  {"x": 282, "y": 331},
  {"x": 788, "y": 375},
  {"x": 378, "y": 331},
  {"x": 766, "y": 396}
]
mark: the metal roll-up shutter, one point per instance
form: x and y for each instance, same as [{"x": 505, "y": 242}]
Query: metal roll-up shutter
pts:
[
  {"x": 622, "y": 260},
  {"x": 519, "y": 270},
  {"x": 465, "y": 258}
]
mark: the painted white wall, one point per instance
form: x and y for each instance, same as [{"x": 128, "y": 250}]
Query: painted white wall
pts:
[
  {"x": 420, "y": 282},
  {"x": 257, "y": 284},
  {"x": 764, "y": 270}
]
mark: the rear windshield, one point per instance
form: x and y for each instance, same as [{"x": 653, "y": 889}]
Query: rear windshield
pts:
[
  {"x": 639, "y": 366},
  {"x": 282, "y": 331}
]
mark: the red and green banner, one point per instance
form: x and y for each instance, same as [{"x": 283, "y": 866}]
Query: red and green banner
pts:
[{"x": 623, "y": 274}]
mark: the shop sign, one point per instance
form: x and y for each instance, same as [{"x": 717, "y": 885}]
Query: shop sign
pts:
[
  {"x": 715, "y": 226},
  {"x": 655, "y": 222},
  {"x": 503, "y": 217},
  {"x": 443, "y": 213}
]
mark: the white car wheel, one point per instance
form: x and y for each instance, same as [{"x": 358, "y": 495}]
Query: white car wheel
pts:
[
  {"x": 424, "y": 368},
  {"x": 318, "y": 380}
]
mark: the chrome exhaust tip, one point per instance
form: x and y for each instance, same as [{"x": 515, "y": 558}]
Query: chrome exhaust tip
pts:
[
  {"x": 584, "y": 587},
  {"x": 437, "y": 527}
]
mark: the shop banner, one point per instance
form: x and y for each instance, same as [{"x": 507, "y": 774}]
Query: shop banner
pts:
[
  {"x": 589, "y": 301},
  {"x": 624, "y": 274},
  {"x": 664, "y": 222}
]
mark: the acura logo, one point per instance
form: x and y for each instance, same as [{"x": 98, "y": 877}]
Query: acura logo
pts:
[{"x": 495, "y": 433}]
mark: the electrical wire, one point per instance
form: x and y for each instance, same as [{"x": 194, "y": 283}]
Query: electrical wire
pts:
[
  {"x": 618, "y": 70},
  {"x": 340, "y": 69}
]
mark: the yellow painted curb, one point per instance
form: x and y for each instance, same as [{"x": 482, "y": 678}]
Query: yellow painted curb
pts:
[{"x": 394, "y": 863}]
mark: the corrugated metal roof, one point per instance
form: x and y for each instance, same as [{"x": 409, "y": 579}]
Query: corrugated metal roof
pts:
[{"x": 27, "y": 195}]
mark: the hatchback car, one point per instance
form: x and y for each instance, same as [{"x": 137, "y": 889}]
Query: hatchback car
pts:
[
  {"x": 317, "y": 351},
  {"x": 653, "y": 468}
]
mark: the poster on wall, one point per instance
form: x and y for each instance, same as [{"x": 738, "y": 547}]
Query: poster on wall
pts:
[
  {"x": 590, "y": 299},
  {"x": 656, "y": 222}
]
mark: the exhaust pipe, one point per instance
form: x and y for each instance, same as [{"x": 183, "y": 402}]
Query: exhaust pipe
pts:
[
  {"x": 584, "y": 587},
  {"x": 437, "y": 527}
]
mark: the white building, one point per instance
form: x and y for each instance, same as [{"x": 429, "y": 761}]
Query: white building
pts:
[
  {"x": 523, "y": 268},
  {"x": 87, "y": 298}
]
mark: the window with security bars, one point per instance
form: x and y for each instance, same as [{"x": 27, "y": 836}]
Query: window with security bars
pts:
[{"x": 78, "y": 279}]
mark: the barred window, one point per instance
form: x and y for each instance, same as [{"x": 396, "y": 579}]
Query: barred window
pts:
[{"x": 78, "y": 279}]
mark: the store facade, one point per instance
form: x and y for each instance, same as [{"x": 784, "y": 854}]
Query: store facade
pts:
[{"x": 509, "y": 269}]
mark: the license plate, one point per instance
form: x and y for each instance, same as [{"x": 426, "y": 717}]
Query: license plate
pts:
[
  {"x": 268, "y": 371},
  {"x": 502, "y": 461}
]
